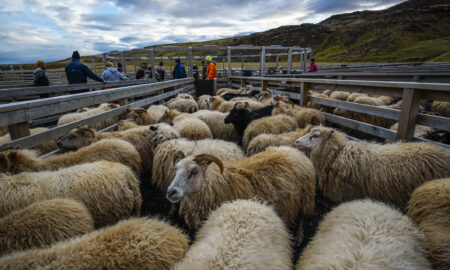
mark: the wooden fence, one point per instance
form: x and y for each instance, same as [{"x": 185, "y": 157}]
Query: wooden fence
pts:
[
  {"x": 410, "y": 92},
  {"x": 17, "y": 115}
]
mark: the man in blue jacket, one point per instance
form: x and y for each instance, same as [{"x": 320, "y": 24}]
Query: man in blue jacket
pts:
[
  {"x": 78, "y": 72},
  {"x": 179, "y": 72}
]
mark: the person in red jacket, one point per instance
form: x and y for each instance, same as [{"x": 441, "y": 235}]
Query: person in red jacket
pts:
[
  {"x": 313, "y": 66},
  {"x": 211, "y": 72}
]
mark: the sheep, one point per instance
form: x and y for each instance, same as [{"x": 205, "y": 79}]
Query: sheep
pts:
[
  {"x": 240, "y": 235},
  {"x": 71, "y": 117},
  {"x": 43, "y": 223},
  {"x": 441, "y": 108},
  {"x": 317, "y": 106},
  {"x": 282, "y": 176},
  {"x": 183, "y": 105},
  {"x": 143, "y": 117},
  {"x": 4, "y": 130},
  {"x": 224, "y": 90},
  {"x": 241, "y": 115},
  {"x": 168, "y": 151},
  {"x": 188, "y": 126},
  {"x": 115, "y": 150},
  {"x": 262, "y": 141},
  {"x": 131, "y": 244},
  {"x": 303, "y": 115},
  {"x": 139, "y": 137},
  {"x": 123, "y": 125},
  {"x": 229, "y": 96},
  {"x": 185, "y": 96},
  {"x": 265, "y": 97},
  {"x": 216, "y": 123},
  {"x": 157, "y": 111},
  {"x": 219, "y": 104},
  {"x": 276, "y": 124},
  {"x": 109, "y": 190},
  {"x": 327, "y": 92},
  {"x": 353, "y": 96},
  {"x": 339, "y": 95},
  {"x": 429, "y": 208},
  {"x": 42, "y": 148},
  {"x": 419, "y": 130},
  {"x": 204, "y": 102},
  {"x": 374, "y": 101},
  {"x": 364, "y": 234},
  {"x": 389, "y": 173}
]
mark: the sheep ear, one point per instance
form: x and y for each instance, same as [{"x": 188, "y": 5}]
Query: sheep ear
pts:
[
  {"x": 179, "y": 155},
  {"x": 4, "y": 163},
  {"x": 154, "y": 128}
]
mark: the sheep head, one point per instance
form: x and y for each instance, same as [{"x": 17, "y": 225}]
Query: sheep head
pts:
[
  {"x": 240, "y": 111},
  {"x": 77, "y": 138},
  {"x": 314, "y": 139},
  {"x": 190, "y": 172}
]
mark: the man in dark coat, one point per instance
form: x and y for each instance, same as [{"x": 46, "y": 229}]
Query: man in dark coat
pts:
[
  {"x": 179, "y": 72},
  {"x": 78, "y": 72}
]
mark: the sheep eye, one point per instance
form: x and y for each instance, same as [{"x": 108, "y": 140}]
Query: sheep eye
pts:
[
  {"x": 315, "y": 136},
  {"x": 194, "y": 172}
]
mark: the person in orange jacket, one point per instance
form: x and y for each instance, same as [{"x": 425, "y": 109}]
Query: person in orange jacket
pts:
[{"x": 211, "y": 72}]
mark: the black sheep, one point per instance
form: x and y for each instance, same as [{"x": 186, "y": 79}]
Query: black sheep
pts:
[
  {"x": 229, "y": 95},
  {"x": 241, "y": 115}
]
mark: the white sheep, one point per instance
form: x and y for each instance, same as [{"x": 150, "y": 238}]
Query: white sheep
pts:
[{"x": 71, "y": 117}]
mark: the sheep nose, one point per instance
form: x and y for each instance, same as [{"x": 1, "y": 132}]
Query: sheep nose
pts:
[
  {"x": 59, "y": 144},
  {"x": 171, "y": 193}
]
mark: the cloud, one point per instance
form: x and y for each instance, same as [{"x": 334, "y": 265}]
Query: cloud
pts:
[{"x": 49, "y": 30}]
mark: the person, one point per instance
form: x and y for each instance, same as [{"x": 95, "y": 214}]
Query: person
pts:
[
  {"x": 119, "y": 67},
  {"x": 112, "y": 74},
  {"x": 78, "y": 72},
  {"x": 313, "y": 66},
  {"x": 162, "y": 72},
  {"x": 211, "y": 72},
  {"x": 203, "y": 70},
  {"x": 179, "y": 72},
  {"x": 39, "y": 76},
  {"x": 141, "y": 72},
  {"x": 195, "y": 70}
]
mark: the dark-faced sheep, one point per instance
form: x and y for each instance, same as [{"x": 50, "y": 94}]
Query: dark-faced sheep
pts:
[
  {"x": 241, "y": 115},
  {"x": 109, "y": 190},
  {"x": 115, "y": 150},
  {"x": 282, "y": 176},
  {"x": 240, "y": 235},
  {"x": 365, "y": 235},
  {"x": 429, "y": 208},
  {"x": 43, "y": 223},
  {"x": 130, "y": 244},
  {"x": 389, "y": 173}
]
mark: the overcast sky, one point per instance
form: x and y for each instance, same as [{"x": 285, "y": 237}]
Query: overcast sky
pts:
[{"x": 50, "y": 30}]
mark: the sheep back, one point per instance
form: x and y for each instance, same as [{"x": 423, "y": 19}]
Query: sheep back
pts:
[
  {"x": 183, "y": 105},
  {"x": 193, "y": 129}
]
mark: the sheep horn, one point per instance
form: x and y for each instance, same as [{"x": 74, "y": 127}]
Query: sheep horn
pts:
[
  {"x": 177, "y": 156},
  {"x": 209, "y": 158}
]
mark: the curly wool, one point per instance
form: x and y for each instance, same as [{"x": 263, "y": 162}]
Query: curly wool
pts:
[
  {"x": 365, "y": 235},
  {"x": 183, "y": 105},
  {"x": 302, "y": 115},
  {"x": 43, "y": 223},
  {"x": 193, "y": 129},
  {"x": 203, "y": 102},
  {"x": 163, "y": 166},
  {"x": 109, "y": 190},
  {"x": 240, "y": 235},
  {"x": 429, "y": 208},
  {"x": 71, "y": 117},
  {"x": 115, "y": 150},
  {"x": 441, "y": 107},
  {"x": 131, "y": 244},
  {"x": 339, "y": 95},
  {"x": 389, "y": 173}
]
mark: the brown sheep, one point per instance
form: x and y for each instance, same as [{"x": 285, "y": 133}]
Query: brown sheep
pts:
[
  {"x": 141, "y": 116},
  {"x": 374, "y": 101},
  {"x": 262, "y": 141},
  {"x": 132, "y": 244},
  {"x": 187, "y": 125},
  {"x": 282, "y": 176},
  {"x": 123, "y": 125},
  {"x": 115, "y": 150},
  {"x": 441, "y": 108},
  {"x": 304, "y": 116},
  {"x": 389, "y": 173},
  {"x": 276, "y": 124},
  {"x": 109, "y": 190},
  {"x": 429, "y": 208},
  {"x": 43, "y": 223},
  {"x": 353, "y": 96},
  {"x": 339, "y": 95},
  {"x": 71, "y": 117},
  {"x": 141, "y": 138}
]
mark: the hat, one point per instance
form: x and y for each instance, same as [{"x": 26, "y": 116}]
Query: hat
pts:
[
  {"x": 208, "y": 58},
  {"x": 178, "y": 60},
  {"x": 119, "y": 64},
  {"x": 40, "y": 63},
  {"x": 76, "y": 55}
]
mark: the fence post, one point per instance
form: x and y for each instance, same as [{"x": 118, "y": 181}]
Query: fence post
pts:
[
  {"x": 408, "y": 114},
  {"x": 263, "y": 61},
  {"x": 93, "y": 64},
  {"x": 134, "y": 63},
  {"x": 243, "y": 83},
  {"x": 124, "y": 64},
  {"x": 242, "y": 66},
  {"x": 152, "y": 63},
  {"x": 18, "y": 130},
  {"x": 264, "y": 85},
  {"x": 104, "y": 59},
  {"x": 190, "y": 62},
  {"x": 223, "y": 67},
  {"x": 289, "y": 67},
  {"x": 304, "y": 91},
  {"x": 229, "y": 65},
  {"x": 277, "y": 62}
]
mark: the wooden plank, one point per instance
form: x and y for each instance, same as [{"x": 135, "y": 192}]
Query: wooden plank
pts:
[
  {"x": 243, "y": 83},
  {"x": 263, "y": 61},
  {"x": 54, "y": 133},
  {"x": 18, "y": 130},
  {"x": 438, "y": 122},
  {"x": 304, "y": 91},
  {"x": 152, "y": 60},
  {"x": 289, "y": 67},
  {"x": 264, "y": 86},
  {"x": 190, "y": 71},
  {"x": 408, "y": 114},
  {"x": 361, "y": 126}
]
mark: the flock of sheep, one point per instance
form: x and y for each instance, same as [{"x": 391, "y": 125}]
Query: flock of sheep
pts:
[{"x": 243, "y": 170}]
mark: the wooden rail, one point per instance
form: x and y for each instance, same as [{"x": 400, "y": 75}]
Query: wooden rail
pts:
[
  {"x": 408, "y": 116},
  {"x": 17, "y": 115}
]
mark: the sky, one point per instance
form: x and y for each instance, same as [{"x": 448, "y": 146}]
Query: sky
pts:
[{"x": 32, "y": 30}]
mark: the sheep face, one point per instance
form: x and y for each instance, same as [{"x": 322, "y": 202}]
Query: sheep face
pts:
[
  {"x": 77, "y": 138},
  {"x": 138, "y": 115},
  {"x": 163, "y": 132},
  {"x": 313, "y": 139},
  {"x": 263, "y": 95},
  {"x": 240, "y": 111},
  {"x": 189, "y": 174}
]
